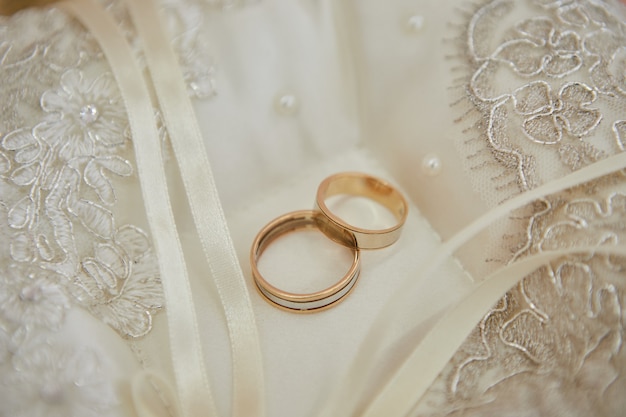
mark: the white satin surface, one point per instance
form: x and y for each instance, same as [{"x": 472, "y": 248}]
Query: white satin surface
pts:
[{"x": 219, "y": 349}]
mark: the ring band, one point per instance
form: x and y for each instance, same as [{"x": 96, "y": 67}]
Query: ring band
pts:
[
  {"x": 358, "y": 184},
  {"x": 297, "y": 220}
]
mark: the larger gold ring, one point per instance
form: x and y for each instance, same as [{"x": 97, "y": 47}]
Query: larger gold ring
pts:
[
  {"x": 357, "y": 184},
  {"x": 301, "y": 303}
]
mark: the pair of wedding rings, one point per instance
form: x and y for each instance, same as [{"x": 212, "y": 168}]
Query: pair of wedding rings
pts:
[{"x": 334, "y": 227}]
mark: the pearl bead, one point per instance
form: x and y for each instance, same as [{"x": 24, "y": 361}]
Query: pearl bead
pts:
[
  {"x": 415, "y": 23},
  {"x": 287, "y": 104},
  {"x": 431, "y": 165}
]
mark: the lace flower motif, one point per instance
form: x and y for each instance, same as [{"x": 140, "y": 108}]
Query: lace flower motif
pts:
[
  {"x": 578, "y": 13},
  {"x": 542, "y": 48},
  {"x": 587, "y": 222},
  {"x": 547, "y": 117},
  {"x": 48, "y": 381},
  {"x": 86, "y": 114},
  {"x": 121, "y": 283},
  {"x": 559, "y": 332},
  {"x": 608, "y": 73},
  {"x": 31, "y": 299}
]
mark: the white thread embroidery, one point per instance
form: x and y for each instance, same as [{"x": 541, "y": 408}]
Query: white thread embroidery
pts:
[
  {"x": 64, "y": 169},
  {"x": 57, "y": 182},
  {"x": 549, "y": 92},
  {"x": 549, "y": 89},
  {"x": 65, "y": 238}
]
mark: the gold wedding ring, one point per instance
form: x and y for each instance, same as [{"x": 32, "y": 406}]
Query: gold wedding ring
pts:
[
  {"x": 337, "y": 229},
  {"x": 298, "y": 220},
  {"x": 358, "y": 184}
]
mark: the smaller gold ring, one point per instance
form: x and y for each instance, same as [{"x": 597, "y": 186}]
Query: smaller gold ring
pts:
[
  {"x": 358, "y": 184},
  {"x": 302, "y": 303}
]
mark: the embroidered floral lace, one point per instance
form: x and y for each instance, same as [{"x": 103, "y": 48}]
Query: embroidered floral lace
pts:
[{"x": 547, "y": 96}]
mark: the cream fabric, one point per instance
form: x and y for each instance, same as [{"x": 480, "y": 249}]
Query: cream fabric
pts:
[{"x": 375, "y": 85}]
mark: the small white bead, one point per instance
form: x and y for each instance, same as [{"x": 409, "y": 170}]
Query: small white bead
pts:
[
  {"x": 415, "y": 23},
  {"x": 287, "y": 104},
  {"x": 431, "y": 165}
]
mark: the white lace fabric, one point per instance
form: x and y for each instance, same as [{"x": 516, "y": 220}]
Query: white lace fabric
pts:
[{"x": 537, "y": 92}]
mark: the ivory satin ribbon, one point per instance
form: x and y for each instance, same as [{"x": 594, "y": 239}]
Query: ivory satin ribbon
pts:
[
  {"x": 206, "y": 209},
  {"x": 192, "y": 386},
  {"x": 403, "y": 391}
]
